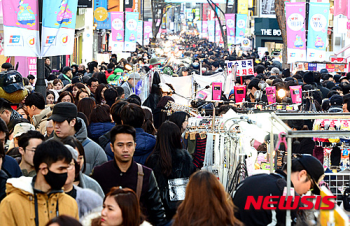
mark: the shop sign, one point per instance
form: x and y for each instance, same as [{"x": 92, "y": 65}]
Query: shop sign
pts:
[
  {"x": 85, "y": 4},
  {"x": 267, "y": 27},
  {"x": 243, "y": 67}
]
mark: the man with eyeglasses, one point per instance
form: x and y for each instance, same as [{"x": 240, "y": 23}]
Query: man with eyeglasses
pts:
[
  {"x": 27, "y": 143},
  {"x": 307, "y": 172}
]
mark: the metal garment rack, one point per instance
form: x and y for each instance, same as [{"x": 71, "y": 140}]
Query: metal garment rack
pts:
[{"x": 276, "y": 118}]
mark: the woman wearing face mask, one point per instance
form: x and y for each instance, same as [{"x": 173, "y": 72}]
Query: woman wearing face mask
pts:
[
  {"x": 120, "y": 207},
  {"x": 79, "y": 194}
]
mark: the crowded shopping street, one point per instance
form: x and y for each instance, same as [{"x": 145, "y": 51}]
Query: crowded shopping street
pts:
[{"x": 174, "y": 113}]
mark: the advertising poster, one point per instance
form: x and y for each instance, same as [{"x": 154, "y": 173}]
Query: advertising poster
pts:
[
  {"x": 131, "y": 31},
  {"x": 199, "y": 28},
  {"x": 296, "y": 36},
  {"x": 267, "y": 8},
  {"x": 242, "y": 7},
  {"x": 211, "y": 30},
  {"x": 117, "y": 31},
  {"x": 341, "y": 7},
  {"x": 59, "y": 17},
  {"x": 217, "y": 32},
  {"x": 139, "y": 32},
  {"x": 21, "y": 28},
  {"x": 317, "y": 34},
  {"x": 148, "y": 31},
  {"x": 241, "y": 25},
  {"x": 32, "y": 66},
  {"x": 205, "y": 29},
  {"x": 101, "y": 16},
  {"x": 230, "y": 26}
]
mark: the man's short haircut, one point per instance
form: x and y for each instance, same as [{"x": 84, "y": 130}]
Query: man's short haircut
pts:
[
  {"x": 50, "y": 152},
  {"x": 23, "y": 140},
  {"x": 116, "y": 109},
  {"x": 5, "y": 105},
  {"x": 126, "y": 129},
  {"x": 3, "y": 126},
  {"x": 132, "y": 115},
  {"x": 31, "y": 76},
  {"x": 92, "y": 65},
  {"x": 36, "y": 99},
  {"x": 92, "y": 79},
  {"x": 120, "y": 91}
]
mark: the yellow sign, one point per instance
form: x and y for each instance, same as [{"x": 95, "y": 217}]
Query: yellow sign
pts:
[
  {"x": 242, "y": 7},
  {"x": 100, "y": 14}
]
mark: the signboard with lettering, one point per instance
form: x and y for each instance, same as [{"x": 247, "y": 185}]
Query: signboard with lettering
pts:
[
  {"x": 243, "y": 67},
  {"x": 267, "y": 27},
  {"x": 85, "y": 4}
]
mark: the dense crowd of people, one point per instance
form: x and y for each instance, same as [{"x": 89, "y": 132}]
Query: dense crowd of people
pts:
[{"x": 91, "y": 150}]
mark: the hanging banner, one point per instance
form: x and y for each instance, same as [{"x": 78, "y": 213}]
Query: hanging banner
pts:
[
  {"x": 58, "y": 27},
  {"x": 230, "y": 26},
  {"x": 117, "y": 31},
  {"x": 217, "y": 32},
  {"x": 317, "y": 35},
  {"x": 139, "y": 32},
  {"x": 147, "y": 31},
  {"x": 199, "y": 27},
  {"x": 21, "y": 28},
  {"x": 211, "y": 31},
  {"x": 101, "y": 16},
  {"x": 240, "y": 27},
  {"x": 341, "y": 7},
  {"x": 131, "y": 31},
  {"x": 205, "y": 29},
  {"x": 296, "y": 36},
  {"x": 242, "y": 7}
]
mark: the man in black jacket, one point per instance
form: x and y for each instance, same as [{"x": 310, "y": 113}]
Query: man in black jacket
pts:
[
  {"x": 307, "y": 172},
  {"x": 124, "y": 171},
  {"x": 48, "y": 69}
]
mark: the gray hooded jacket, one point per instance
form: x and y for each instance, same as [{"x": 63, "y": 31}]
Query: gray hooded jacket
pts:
[{"x": 94, "y": 154}]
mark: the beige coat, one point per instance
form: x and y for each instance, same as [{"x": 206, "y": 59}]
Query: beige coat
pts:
[{"x": 39, "y": 121}]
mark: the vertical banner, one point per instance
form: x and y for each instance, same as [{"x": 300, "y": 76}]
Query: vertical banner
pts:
[
  {"x": 147, "y": 31},
  {"x": 296, "y": 36},
  {"x": 139, "y": 32},
  {"x": 217, "y": 32},
  {"x": 205, "y": 29},
  {"x": 199, "y": 27},
  {"x": 21, "y": 28},
  {"x": 242, "y": 7},
  {"x": 240, "y": 27},
  {"x": 32, "y": 67},
  {"x": 58, "y": 27},
  {"x": 341, "y": 7},
  {"x": 117, "y": 31},
  {"x": 131, "y": 31},
  {"x": 211, "y": 29},
  {"x": 230, "y": 26},
  {"x": 317, "y": 35},
  {"x": 101, "y": 16}
]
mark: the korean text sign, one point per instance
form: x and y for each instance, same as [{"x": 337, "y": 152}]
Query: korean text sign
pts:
[{"x": 243, "y": 67}]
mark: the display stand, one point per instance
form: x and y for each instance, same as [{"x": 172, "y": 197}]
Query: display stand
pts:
[{"x": 276, "y": 118}]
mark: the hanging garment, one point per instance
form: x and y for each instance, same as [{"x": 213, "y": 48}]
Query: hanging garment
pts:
[
  {"x": 318, "y": 153},
  {"x": 335, "y": 156},
  {"x": 198, "y": 156}
]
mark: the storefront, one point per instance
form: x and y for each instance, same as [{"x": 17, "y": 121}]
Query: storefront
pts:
[{"x": 268, "y": 34}]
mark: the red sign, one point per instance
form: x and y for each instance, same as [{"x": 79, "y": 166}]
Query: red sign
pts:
[
  {"x": 338, "y": 60},
  {"x": 280, "y": 202}
]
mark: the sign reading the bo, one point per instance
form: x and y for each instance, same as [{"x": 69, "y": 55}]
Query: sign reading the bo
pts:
[
  {"x": 318, "y": 22},
  {"x": 295, "y": 21}
]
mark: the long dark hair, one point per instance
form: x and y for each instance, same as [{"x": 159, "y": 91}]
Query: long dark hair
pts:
[
  {"x": 86, "y": 105},
  {"x": 168, "y": 141},
  {"x": 178, "y": 118},
  {"x": 98, "y": 95},
  {"x": 205, "y": 203},
  {"x": 148, "y": 126}
]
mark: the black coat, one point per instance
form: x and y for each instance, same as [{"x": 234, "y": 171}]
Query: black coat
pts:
[
  {"x": 48, "y": 71},
  {"x": 182, "y": 167}
]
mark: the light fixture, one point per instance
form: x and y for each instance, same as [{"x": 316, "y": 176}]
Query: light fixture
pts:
[
  {"x": 281, "y": 93},
  {"x": 128, "y": 67}
]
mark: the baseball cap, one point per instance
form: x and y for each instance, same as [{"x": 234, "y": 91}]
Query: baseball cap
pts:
[
  {"x": 63, "y": 111},
  {"x": 336, "y": 100},
  {"x": 314, "y": 169},
  {"x": 135, "y": 75},
  {"x": 76, "y": 79},
  {"x": 66, "y": 69},
  {"x": 6, "y": 66},
  {"x": 11, "y": 81}
]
